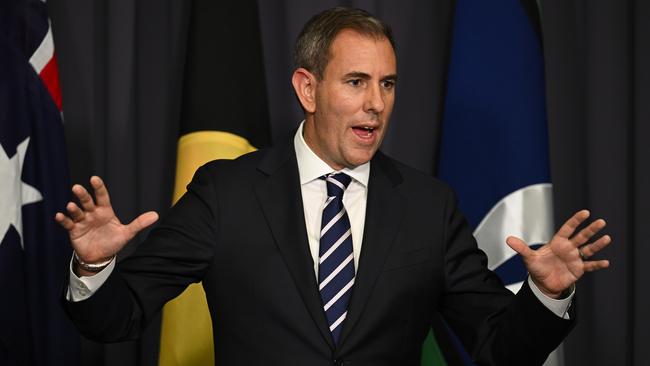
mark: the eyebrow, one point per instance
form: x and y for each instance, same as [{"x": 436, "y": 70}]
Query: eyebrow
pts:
[{"x": 365, "y": 76}]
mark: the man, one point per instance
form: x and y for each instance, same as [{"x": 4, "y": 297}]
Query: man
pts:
[{"x": 325, "y": 251}]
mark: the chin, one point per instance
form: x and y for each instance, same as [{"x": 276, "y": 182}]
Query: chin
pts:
[{"x": 360, "y": 159}]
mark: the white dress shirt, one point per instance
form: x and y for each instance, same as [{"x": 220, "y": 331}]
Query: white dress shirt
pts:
[{"x": 314, "y": 195}]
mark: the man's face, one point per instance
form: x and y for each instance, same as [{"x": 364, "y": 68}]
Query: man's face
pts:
[{"x": 353, "y": 101}]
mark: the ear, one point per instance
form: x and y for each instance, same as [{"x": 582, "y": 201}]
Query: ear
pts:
[{"x": 304, "y": 83}]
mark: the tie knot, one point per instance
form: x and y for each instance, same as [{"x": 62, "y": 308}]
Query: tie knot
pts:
[{"x": 337, "y": 183}]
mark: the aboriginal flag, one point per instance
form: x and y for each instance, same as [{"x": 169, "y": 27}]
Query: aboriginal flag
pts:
[{"x": 224, "y": 114}]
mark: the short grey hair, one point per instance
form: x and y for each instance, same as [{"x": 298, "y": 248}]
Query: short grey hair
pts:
[{"x": 313, "y": 43}]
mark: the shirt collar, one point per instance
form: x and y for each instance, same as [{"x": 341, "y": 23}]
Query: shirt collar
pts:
[{"x": 311, "y": 167}]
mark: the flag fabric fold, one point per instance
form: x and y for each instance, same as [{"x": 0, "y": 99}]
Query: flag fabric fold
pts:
[
  {"x": 34, "y": 184},
  {"x": 494, "y": 150}
]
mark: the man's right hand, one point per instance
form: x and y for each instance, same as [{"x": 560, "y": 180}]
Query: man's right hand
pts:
[{"x": 95, "y": 232}]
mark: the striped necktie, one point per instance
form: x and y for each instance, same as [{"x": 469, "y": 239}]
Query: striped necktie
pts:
[{"x": 335, "y": 256}]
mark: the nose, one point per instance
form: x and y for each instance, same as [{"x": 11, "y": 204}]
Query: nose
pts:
[{"x": 374, "y": 102}]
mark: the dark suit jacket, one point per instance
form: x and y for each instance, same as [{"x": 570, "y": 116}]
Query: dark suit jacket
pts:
[{"x": 240, "y": 229}]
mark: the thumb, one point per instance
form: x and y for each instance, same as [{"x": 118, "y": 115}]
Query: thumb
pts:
[
  {"x": 142, "y": 222},
  {"x": 519, "y": 246}
]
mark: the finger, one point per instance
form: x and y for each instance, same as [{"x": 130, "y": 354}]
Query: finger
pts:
[
  {"x": 572, "y": 224},
  {"x": 142, "y": 222},
  {"x": 519, "y": 246},
  {"x": 101, "y": 193},
  {"x": 75, "y": 212},
  {"x": 591, "y": 266},
  {"x": 84, "y": 197},
  {"x": 585, "y": 234},
  {"x": 595, "y": 247},
  {"x": 64, "y": 221}
]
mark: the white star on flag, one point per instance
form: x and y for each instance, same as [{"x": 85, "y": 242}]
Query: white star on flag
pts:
[{"x": 14, "y": 193}]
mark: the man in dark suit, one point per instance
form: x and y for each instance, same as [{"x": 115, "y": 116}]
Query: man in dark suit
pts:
[{"x": 323, "y": 250}]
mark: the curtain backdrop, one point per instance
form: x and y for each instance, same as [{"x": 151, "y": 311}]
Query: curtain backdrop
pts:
[
  {"x": 598, "y": 98},
  {"x": 121, "y": 64},
  {"x": 121, "y": 79}
]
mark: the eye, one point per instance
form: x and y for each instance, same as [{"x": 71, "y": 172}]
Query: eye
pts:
[
  {"x": 388, "y": 84},
  {"x": 354, "y": 82}
]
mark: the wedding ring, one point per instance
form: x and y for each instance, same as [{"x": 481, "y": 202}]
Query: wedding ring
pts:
[{"x": 582, "y": 255}]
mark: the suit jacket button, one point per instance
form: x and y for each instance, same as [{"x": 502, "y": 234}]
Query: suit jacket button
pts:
[{"x": 338, "y": 362}]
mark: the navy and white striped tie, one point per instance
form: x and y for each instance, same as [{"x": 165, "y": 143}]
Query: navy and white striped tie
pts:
[{"x": 335, "y": 256}]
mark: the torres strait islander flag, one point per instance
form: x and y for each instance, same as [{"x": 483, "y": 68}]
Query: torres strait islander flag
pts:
[
  {"x": 34, "y": 185},
  {"x": 494, "y": 150}
]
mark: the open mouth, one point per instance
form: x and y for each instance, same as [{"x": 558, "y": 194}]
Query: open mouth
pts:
[{"x": 364, "y": 131}]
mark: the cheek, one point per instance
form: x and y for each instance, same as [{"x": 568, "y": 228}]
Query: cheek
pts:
[
  {"x": 345, "y": 102},
  {"x": 389, "y": 101}
]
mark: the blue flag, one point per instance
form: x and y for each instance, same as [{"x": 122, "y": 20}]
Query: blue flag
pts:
[
  {"x": 494, "y": 150},
  {"x": 34, "y": 185}
]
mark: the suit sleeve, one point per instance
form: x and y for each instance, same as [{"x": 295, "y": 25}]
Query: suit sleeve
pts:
[
  {"x": 176, "y": 253},
  {"x": 496, "y": 327}
]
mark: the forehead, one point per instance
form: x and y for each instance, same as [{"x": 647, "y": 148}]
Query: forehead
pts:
[{"x": 365, "y": 53}]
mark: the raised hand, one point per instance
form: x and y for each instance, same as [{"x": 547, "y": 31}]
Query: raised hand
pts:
[
  {"x": 95, "y": 232},
  {"x": 561, "y": 262}
]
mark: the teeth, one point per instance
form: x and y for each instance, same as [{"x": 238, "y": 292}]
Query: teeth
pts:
[{"x": 367, "y": 129}]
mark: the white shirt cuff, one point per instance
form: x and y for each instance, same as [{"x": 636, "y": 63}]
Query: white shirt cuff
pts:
[
  {"x": 81, "y": 288},
  {"x": 559, "y": 307}
]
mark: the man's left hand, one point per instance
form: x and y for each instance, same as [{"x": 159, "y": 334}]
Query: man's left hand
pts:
[{"x": 559, "y": 264}]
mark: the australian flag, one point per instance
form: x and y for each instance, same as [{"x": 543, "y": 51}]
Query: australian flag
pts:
[
  {"x": 33, "y": 187},
  {"x": 494, "y": 150}
]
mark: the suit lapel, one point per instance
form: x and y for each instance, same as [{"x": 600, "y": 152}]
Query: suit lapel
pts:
[
  {"x": 384, "y": 213},
  {"x": 281, "y": 201}
]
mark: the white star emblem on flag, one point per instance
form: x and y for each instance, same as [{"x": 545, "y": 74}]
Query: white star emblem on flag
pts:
[{"x": 14, "y": 193}]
